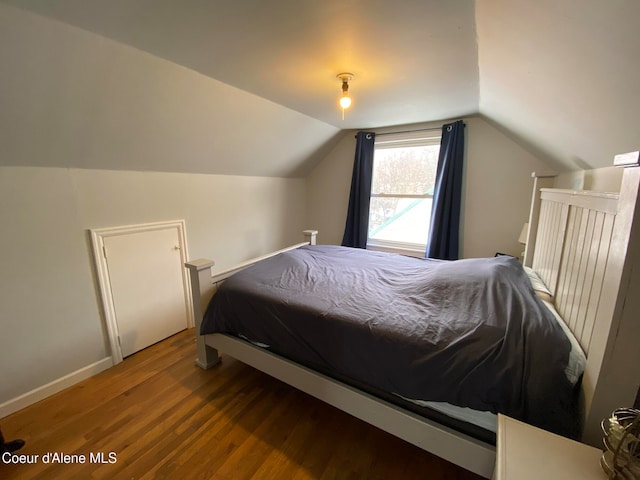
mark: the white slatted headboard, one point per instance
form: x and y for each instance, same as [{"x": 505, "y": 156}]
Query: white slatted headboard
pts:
[
  {"x": 586, "y": 248},
  {"x": 572, "y": 248}
]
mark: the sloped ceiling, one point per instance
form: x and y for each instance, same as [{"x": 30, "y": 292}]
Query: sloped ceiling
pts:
[
  {"x": 413, "y": 60},
  {"x": 562, "y": 77},
  {"x": 558, "y": 77}
]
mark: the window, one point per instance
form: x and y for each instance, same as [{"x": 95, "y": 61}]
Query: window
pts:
[{"x": 404, "y": 174}]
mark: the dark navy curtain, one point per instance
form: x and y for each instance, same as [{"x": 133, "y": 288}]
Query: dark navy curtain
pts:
[
  {"x": 357, "y": 226},
  {"x": 444, "y": 233}
]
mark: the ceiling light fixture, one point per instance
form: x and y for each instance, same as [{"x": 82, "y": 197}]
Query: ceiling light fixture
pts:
[{"x": 345, "y": 99}]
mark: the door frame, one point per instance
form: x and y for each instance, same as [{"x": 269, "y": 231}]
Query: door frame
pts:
[{"x": 98, "y": 236}]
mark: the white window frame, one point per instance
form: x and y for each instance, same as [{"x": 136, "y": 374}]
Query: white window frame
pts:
[{"x": 417, "y": 138}]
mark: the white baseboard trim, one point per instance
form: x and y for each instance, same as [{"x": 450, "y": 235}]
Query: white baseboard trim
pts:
[{"x": 40, "y": 393}]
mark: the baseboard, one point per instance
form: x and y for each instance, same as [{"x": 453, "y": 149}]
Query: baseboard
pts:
[{"x": 40, "y": 393}]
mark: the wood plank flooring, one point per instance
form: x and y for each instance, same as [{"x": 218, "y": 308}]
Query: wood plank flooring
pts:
[{"x": 158, "y": 416}]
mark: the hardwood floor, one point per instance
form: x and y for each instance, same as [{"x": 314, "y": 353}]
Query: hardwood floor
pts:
[{"x": 158, "y": 416}]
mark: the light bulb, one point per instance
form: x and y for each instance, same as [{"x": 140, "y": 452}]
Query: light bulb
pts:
[{"x": 345, "y": 99}]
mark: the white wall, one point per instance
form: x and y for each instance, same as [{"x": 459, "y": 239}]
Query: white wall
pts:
[
  {"x": 497, "y": 189},
  {"x": 606, "y": 179},
  {"x": 328, "y": 191},
  {"x": 49, "y": 309}
]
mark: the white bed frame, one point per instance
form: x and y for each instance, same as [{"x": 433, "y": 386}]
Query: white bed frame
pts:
[{"x": 585, "y": 246}]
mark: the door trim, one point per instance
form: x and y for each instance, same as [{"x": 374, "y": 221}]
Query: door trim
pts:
[{"x": 98, "y": 236}]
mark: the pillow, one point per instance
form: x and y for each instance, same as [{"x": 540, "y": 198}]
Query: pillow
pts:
[{"x": 538, "y": 285}]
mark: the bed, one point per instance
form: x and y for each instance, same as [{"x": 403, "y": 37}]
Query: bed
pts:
[{"x": 579, "y": 244}]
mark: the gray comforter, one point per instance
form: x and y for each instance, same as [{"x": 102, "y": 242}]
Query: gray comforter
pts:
[{"x": 468, "y": 332}]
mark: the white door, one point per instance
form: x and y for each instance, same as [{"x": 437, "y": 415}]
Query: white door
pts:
[{"x": 145, "y": 272}]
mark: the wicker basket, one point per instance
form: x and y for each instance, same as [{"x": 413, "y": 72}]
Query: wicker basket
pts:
[{"x": 621, "y": 458}]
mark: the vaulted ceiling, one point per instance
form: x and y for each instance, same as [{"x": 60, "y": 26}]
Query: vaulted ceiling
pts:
[{"x": 559, "y": 77}]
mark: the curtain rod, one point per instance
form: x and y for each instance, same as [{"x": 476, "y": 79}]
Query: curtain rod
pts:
[{"x": 437, "y": 129}]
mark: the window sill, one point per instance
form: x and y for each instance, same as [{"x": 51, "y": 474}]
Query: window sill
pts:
[{"x": 412, "y": 252}]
